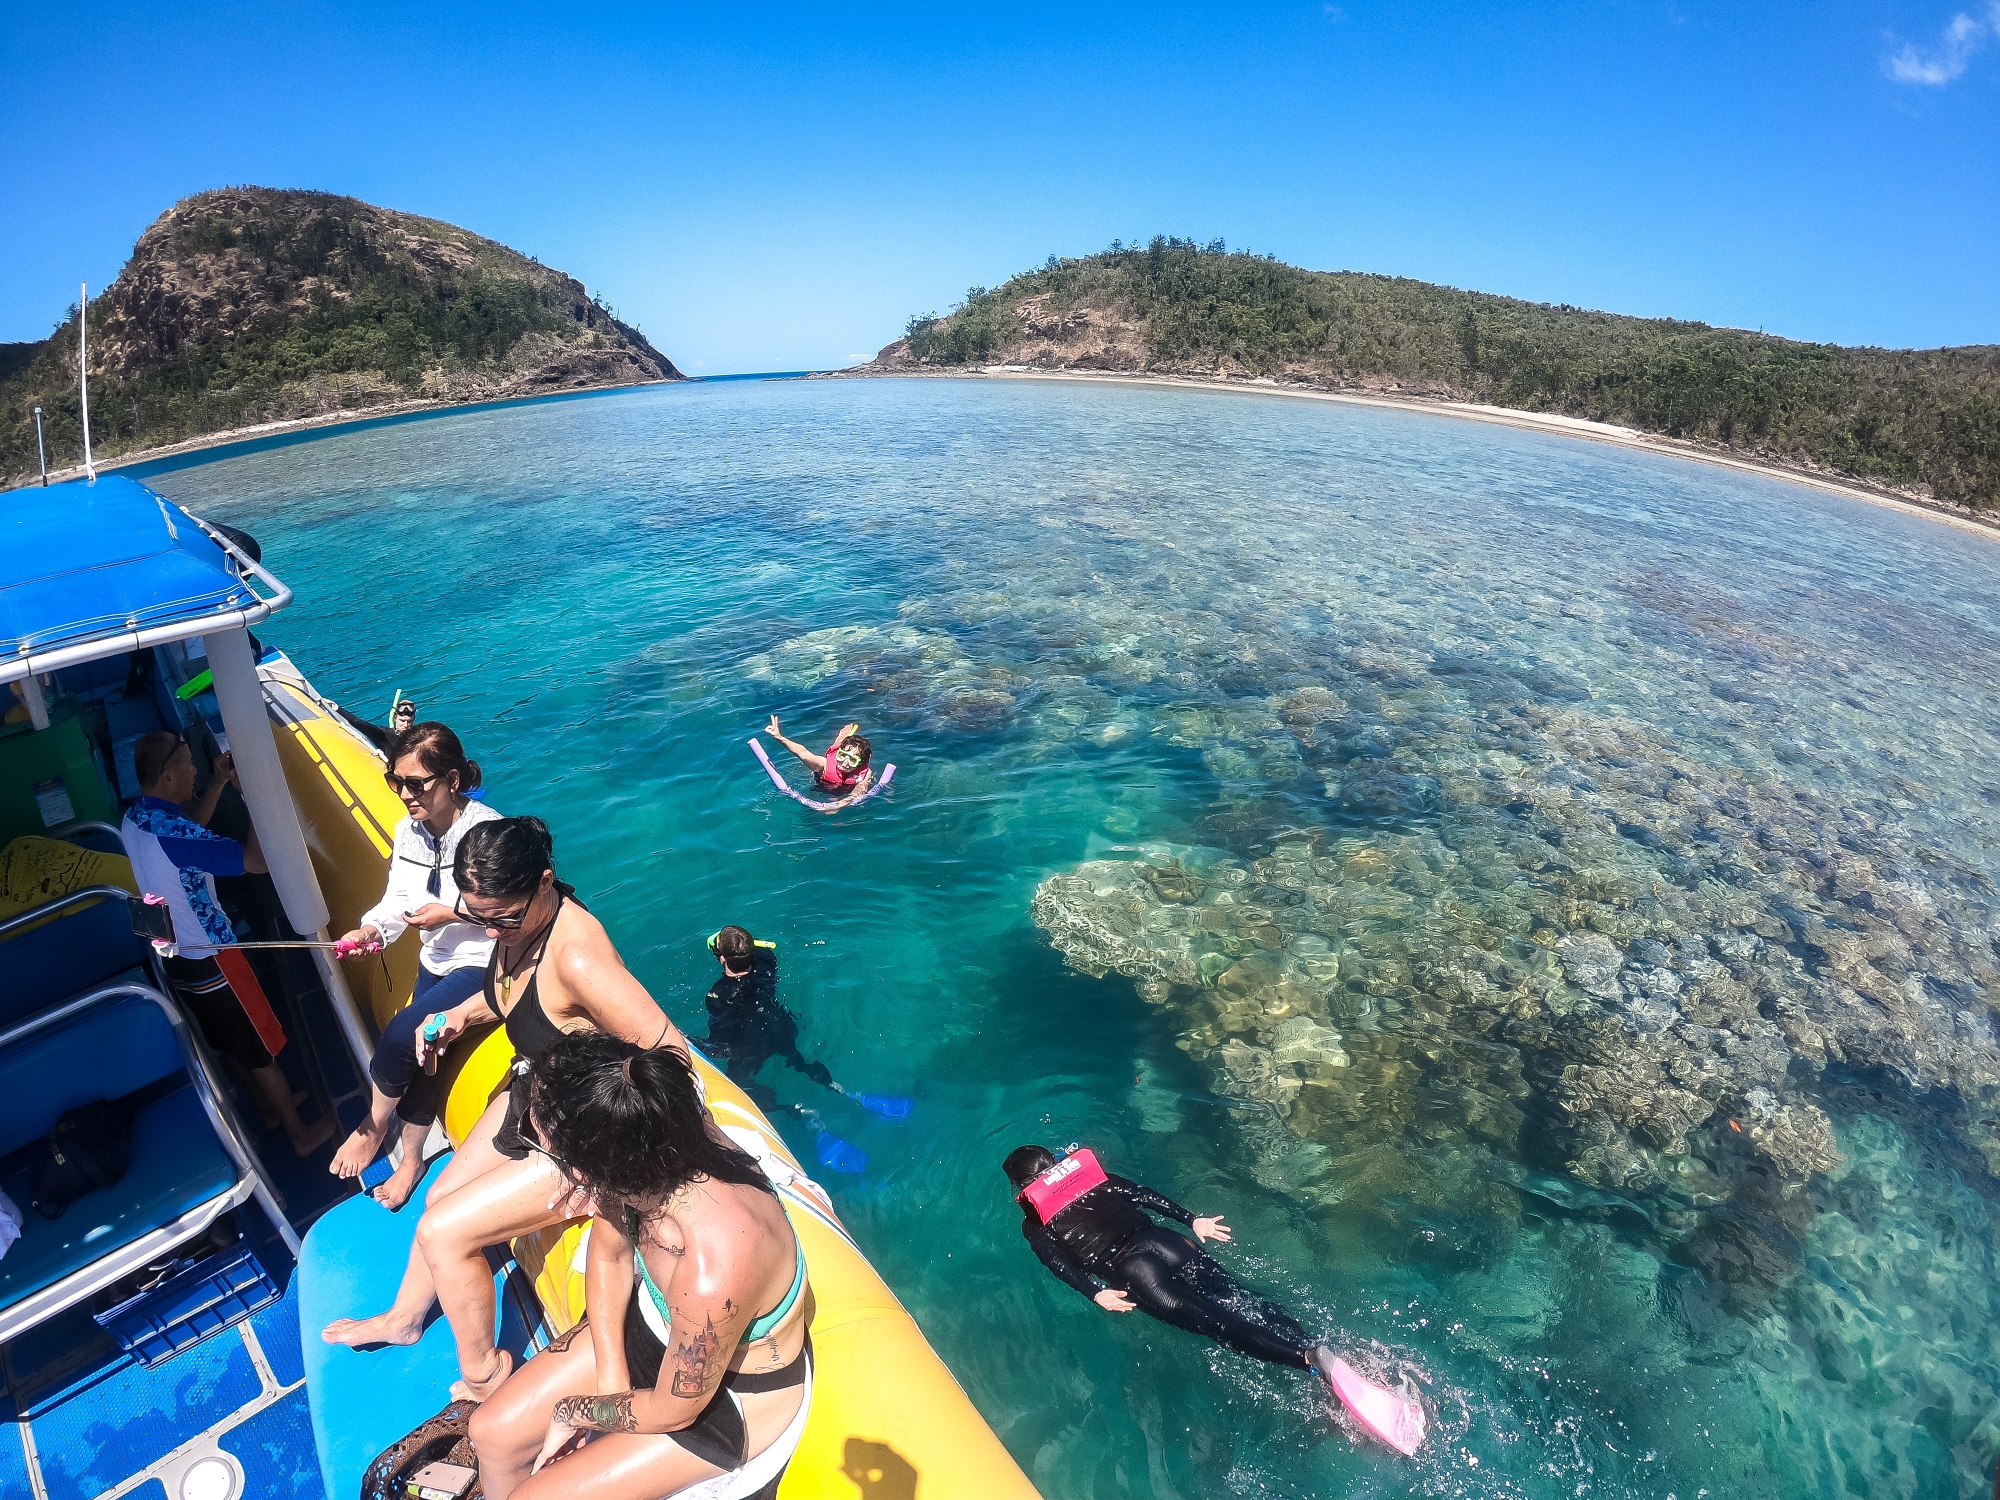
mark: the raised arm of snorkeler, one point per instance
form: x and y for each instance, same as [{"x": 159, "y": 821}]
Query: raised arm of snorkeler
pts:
[
  {"x": 816, "y": 761},
  {"x": 714, "y": 1292}
]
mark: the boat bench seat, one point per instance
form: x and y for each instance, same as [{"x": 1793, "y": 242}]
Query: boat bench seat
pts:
[
  {"x": 177, "y": 1163},
  {"x": 65, "y": 957}
]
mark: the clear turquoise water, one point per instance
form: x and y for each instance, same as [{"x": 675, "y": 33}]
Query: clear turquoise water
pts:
[{"x": 1593, "y": 802}]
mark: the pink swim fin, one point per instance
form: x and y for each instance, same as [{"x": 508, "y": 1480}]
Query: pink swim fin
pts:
[{"x": 1396, "y": 1420}]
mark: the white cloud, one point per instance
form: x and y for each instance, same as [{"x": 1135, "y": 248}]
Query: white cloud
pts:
[{"x": 1935, "y": 67}]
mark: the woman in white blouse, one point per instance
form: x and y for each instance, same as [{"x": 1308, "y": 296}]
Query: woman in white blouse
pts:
[{"x": 429, "y": 771}]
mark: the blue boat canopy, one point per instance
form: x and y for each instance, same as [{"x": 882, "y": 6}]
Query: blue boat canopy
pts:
[{"x": 88, "y": 569}]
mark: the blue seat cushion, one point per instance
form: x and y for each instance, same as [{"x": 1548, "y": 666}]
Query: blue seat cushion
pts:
[
  {"x": 177, "y": 1164},
  {"x": 113, "y": 1049},
  {"x": 66, "y": 957},
  {"x": 363, "y": 1400}
]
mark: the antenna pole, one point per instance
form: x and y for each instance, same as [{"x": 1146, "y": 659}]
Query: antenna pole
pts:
[
  {"x": 83, "y": 373},
  {"x": 41, "y": 448}
]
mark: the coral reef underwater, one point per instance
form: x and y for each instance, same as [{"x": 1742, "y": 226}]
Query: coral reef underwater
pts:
[{"x": 1628, "y": 923}]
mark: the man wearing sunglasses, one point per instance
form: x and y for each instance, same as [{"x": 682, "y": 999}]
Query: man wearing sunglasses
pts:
[{"x": 429, "y": 771}]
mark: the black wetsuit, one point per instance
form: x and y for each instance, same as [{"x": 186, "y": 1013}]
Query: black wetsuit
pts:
[
  {"x": 1106, "y": 1236},
  {"x": 747, "y": 1027}
]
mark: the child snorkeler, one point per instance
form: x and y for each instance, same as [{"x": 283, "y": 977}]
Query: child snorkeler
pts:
[{"x": 843, "y": 771}]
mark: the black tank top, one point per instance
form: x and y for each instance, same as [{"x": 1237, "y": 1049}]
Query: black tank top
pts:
[{"x": 528, "y": 1025}]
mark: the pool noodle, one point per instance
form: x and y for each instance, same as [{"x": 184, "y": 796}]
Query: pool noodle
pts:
[{"x": 777, "y": 780}]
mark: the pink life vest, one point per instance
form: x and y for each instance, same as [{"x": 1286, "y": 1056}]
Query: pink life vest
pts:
[
  {"x": 1064, "y": 1183},
  {"x": 833, "y": 776}
]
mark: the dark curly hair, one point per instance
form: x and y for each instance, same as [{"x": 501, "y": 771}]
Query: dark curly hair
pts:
[
  {"x": 626, "y": 1122},
  {"x": 503, "y": 858}
]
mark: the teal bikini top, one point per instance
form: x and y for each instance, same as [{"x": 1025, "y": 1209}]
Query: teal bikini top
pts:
[{"x": 758, "y": 1326}]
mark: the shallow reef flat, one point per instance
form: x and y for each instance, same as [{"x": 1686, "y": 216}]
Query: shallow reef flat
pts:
[{"x": 1545, "y": 894}]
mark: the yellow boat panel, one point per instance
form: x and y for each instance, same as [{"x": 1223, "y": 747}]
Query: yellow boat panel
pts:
[{"x": 348, "y": 816}]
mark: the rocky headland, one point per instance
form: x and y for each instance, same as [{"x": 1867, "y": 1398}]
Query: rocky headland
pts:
[
  {"x": 248, "y": 307},
  {"x": 1921, "y": 424}
]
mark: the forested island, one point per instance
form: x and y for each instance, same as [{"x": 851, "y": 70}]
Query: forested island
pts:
[
  {"x": 251, "y": 305},
  {"x": 1923, "y": 421}
]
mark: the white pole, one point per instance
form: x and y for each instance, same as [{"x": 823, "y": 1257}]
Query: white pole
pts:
[
  {"x": 83, "y": 374},
  {"x": 240, "y": 695}
]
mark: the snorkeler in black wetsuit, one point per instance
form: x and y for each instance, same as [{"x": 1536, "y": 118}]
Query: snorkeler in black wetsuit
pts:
[
  {"x": 1104, "y": 1235},
  {"x": 747, "y": 1027}
]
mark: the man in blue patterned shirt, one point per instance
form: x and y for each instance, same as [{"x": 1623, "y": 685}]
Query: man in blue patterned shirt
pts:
[{"x": 175, "y": 855}]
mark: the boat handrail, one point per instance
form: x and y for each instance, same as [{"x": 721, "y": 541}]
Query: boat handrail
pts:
[
  {"x": 87, "y": 825},
  {"x": 55, "y": 907},
  {"x": 201, "y": 1073},
  {"x": 35, "y": 664}
]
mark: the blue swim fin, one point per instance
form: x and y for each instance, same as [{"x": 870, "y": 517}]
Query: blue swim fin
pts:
[
  {"x": 840, "y": 1155},
  {"x": 885, "y": 1105}
]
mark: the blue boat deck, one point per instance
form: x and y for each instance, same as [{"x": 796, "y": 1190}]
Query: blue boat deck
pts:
[{"x": 91, "y": 1422}]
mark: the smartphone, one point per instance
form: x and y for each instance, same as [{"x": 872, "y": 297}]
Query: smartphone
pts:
[
  {"x": 151, "y": 919},
  {"x": 439, "y": 1481}
]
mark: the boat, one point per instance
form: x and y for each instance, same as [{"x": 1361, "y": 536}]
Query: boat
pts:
[{"x": 159, "y": 1337}]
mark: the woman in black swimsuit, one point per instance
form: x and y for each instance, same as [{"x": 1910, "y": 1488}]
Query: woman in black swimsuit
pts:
[{"x": 553, "y": 970}]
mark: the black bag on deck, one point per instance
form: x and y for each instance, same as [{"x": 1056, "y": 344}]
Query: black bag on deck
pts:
[
  {"x": 90, "y": 1148},
  {"x": 442, "y": 1439}
]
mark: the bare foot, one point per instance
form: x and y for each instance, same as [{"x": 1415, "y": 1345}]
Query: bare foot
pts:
[
  {"x": 271, "y": 1121},
  {"x": 359, "y": 1149},
  {"x": 383, "y": 1328},
  {"x": 479, "y": 1390},
  {"x": 394, "y": 1193},
  {"x": 309, "y": 1138}
]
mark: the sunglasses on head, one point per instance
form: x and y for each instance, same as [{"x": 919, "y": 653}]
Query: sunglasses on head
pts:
[{"x": 507, "y": 923}]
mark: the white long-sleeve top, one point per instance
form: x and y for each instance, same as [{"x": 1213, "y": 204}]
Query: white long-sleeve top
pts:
[{"x": 456, "y": 945}]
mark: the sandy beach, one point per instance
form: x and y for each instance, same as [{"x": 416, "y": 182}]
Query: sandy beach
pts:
[{"x": 328, "y": 421}]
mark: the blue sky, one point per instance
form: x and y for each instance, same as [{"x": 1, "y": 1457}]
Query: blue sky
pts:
[{"x": 780, "y": 188}]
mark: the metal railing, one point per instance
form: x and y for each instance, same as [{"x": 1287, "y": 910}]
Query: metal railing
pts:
[{"x": 49, "y": 910}]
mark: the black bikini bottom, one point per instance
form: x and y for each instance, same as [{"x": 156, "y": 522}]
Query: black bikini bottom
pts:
[
  {"x": 718, "y": 1435},
  {"x": 508, "y": 1140}
]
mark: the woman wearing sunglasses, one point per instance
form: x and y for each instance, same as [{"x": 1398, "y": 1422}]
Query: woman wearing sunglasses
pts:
[
  {"x": 429, "y": 771},
  {"x": 553, "y": 971}
]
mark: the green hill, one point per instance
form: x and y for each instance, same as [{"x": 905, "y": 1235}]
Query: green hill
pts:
[
  {"x": 252, "y": 305},
  {"x": 1923, "y": 420}
]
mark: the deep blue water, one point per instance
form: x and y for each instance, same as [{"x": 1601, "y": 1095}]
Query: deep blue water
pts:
[{"x": 1567, "y": 944}]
